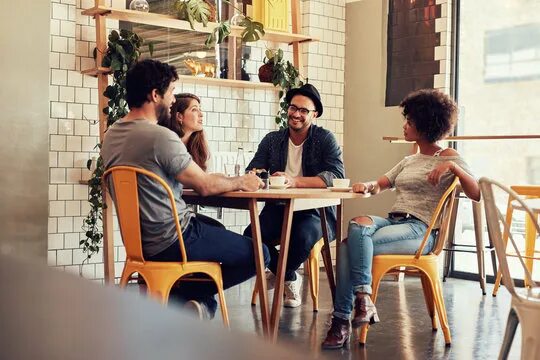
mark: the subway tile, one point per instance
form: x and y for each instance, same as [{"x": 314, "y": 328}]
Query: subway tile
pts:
[
  {"x": 65, "y": 159},
  {"x": 65, "y": 192},
  {"x": 88, "y": 143},
  {"x": 59, "y": 11},
  {"x": 74, "y": 78},
  {"x": 57, "y": 175},
  {"x": 55, "y": 27},
  {"x": 82, "y": 127},
  {"x": 73, "y": 176},
  {"x": 67, "y": 28},
  {"x": 52, "y": 192},
  {"x": 65, "y": 224},
  {"x": 51, "y": 225},
  {"x": 67, "y": 61},
  {"x": 73, "y": 208},
  {"x": 80, "y": 192},
  {"x": 54, "y": 60},
  {"x": 59, "y": 44},
  {"x": 74, "y": 111},
  {"x": 51, "y": 258},
  {"x": 57, "y": 143},
  {"x": 81, "y": 48},
  {"x": 58, "y": 77},
  {"x": 67, "y": 94},
  {"x": 56, "y": 208},
  {"x": 64, "y": 257},
  {"x": 55, "y": 241},
  {"x": 73, "y": 143}
]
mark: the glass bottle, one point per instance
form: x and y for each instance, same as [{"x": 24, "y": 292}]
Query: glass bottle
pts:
[{"x": 239, "y": 157}]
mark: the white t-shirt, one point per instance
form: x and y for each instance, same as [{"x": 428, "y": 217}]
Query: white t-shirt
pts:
[{"x": 294, "y": 159}]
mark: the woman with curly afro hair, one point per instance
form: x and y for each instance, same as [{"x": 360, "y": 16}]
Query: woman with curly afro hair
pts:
[{"x": 420, "y": 180}]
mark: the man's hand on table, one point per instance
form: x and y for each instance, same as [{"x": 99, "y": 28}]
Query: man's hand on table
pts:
[{"x": 249, "y": 182}]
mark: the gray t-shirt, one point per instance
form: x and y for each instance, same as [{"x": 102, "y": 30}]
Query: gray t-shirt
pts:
[
  {"x": 143, "y": 144},
  {"x": 415, "y": 195}
]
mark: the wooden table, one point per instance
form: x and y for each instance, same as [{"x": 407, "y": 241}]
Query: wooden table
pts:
[{"x": 293, "y": 200}]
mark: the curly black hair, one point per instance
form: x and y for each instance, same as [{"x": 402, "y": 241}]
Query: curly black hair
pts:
[
  {"x": 432, "y": 112},
  {"x": 145, "y": 76}
]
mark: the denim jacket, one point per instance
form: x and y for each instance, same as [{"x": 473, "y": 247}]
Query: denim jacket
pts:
[{"x": 321, "y": 156}]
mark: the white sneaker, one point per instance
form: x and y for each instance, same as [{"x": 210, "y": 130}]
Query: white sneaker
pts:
[
  {"x": 270, "y": 280},
  {"x": 292, "y": 289}
]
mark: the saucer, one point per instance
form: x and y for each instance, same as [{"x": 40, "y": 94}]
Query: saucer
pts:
[
  {"x": 340, "y": 189},
  {"x": 278, "y": 187}
]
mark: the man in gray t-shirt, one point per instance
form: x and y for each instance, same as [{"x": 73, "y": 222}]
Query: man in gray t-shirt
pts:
[{"x": 137, "y": 140}]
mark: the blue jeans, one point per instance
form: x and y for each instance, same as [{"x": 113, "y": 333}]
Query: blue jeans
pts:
[
  {"x": 206, "y": 242},
  {"x": 384, "y": 236},
  {"x": 306, "y": 230}
]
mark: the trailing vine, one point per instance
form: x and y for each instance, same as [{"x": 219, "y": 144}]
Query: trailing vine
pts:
[
  {"x": 123, "y": 50},
  {"x": 287, "y": 77}
]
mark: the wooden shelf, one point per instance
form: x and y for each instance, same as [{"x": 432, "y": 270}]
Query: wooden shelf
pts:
[
  {"x": 400, "y": 140},
  {"x": 172, "y": 22},
  {"x": 200, "y": 80},
  {"x": 227, "y": 82}
]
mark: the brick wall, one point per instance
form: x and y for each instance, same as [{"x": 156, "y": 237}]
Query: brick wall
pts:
[{"x": 233, "y": 117}]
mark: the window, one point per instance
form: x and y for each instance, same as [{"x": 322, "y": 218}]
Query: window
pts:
[{"x": 498, "y": 78}]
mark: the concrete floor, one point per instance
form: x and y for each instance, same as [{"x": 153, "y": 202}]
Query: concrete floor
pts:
[{"x": 477, "y": 323}]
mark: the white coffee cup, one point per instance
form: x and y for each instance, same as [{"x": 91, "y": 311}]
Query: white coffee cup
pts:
[
  {"x": 341, "y": 183},
  {"x": 277, "y": 180}
]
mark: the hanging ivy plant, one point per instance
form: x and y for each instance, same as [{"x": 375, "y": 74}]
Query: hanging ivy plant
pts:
[
  {"x": 123, "y": 50},
  {"x": 286, "y": 77}
]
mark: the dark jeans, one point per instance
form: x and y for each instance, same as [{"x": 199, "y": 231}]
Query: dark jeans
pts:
[
  {"x": 206, "y": 242},
  {"x": 306, "y": 230}
]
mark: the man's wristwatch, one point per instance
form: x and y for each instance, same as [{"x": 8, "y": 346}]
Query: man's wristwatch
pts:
[{"x": 370, "y": 187}]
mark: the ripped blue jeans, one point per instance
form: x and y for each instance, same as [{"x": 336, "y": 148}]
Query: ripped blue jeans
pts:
[{"x": 384, "y": 236}]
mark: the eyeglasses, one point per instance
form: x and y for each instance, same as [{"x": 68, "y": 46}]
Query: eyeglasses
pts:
[{"x": 303, "y": 111}]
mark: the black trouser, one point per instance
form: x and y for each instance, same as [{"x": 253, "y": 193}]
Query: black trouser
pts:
[
  {"x": 206, "y": 242},
  {"x": 306, "y": 230}
]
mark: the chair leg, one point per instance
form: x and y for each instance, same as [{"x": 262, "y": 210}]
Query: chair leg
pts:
[
  {"x": 433, "y": 278},
  {"x": 497, "y": 283},
  {"x": 254, "y": 295},
  {"x": 478, "y": 235},
  {"x": 530, "y": 239},
  {"x": 377, "y": 274},
  {"x": 511, "y": 326},
  {"x": 498, "y": 280},
  {"x": 430, "y": 300},
  {"x": 313, "y": 266},
  {"x": 223, "y": 306},
  {"x": 448, "y": 256}
]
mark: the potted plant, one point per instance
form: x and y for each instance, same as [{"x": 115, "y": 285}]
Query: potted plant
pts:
[
  {"x": 202, "y": 11},
  {"x": 283, "y": 74}
]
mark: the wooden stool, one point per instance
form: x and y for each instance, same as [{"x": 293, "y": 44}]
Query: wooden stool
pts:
[{"x": 479, "y": 247}]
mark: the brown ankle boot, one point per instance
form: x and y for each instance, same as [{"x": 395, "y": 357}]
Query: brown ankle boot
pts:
[
  {"x": 364, "y": 311},
  {"x": 337, "y": 335}
]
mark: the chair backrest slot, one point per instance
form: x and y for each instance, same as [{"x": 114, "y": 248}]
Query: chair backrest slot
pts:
[
  {"x": 442, "y": 213},
  {"x": 124, "y": 190}
]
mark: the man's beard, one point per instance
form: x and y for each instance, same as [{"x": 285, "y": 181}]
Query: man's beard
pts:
[{"x": 163, "y": 113}]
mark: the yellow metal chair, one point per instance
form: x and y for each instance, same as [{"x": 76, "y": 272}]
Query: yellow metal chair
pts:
[
  {"x": 527, "y": 192},
  {"x": 159, "y": 276},
  {"x": 426, "y": 266},
  {"x": 311, "y": 267},
  {"x": 525, "y": 306}
]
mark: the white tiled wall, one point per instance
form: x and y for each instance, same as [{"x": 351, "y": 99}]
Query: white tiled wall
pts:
[{"x": 233, "y": 117}]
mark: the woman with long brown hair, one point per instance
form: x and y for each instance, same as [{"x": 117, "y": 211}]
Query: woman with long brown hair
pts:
[{"x": 186, "y": 120}]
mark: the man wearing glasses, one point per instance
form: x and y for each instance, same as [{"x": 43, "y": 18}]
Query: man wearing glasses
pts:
[{"x": 308, "y": 156}]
